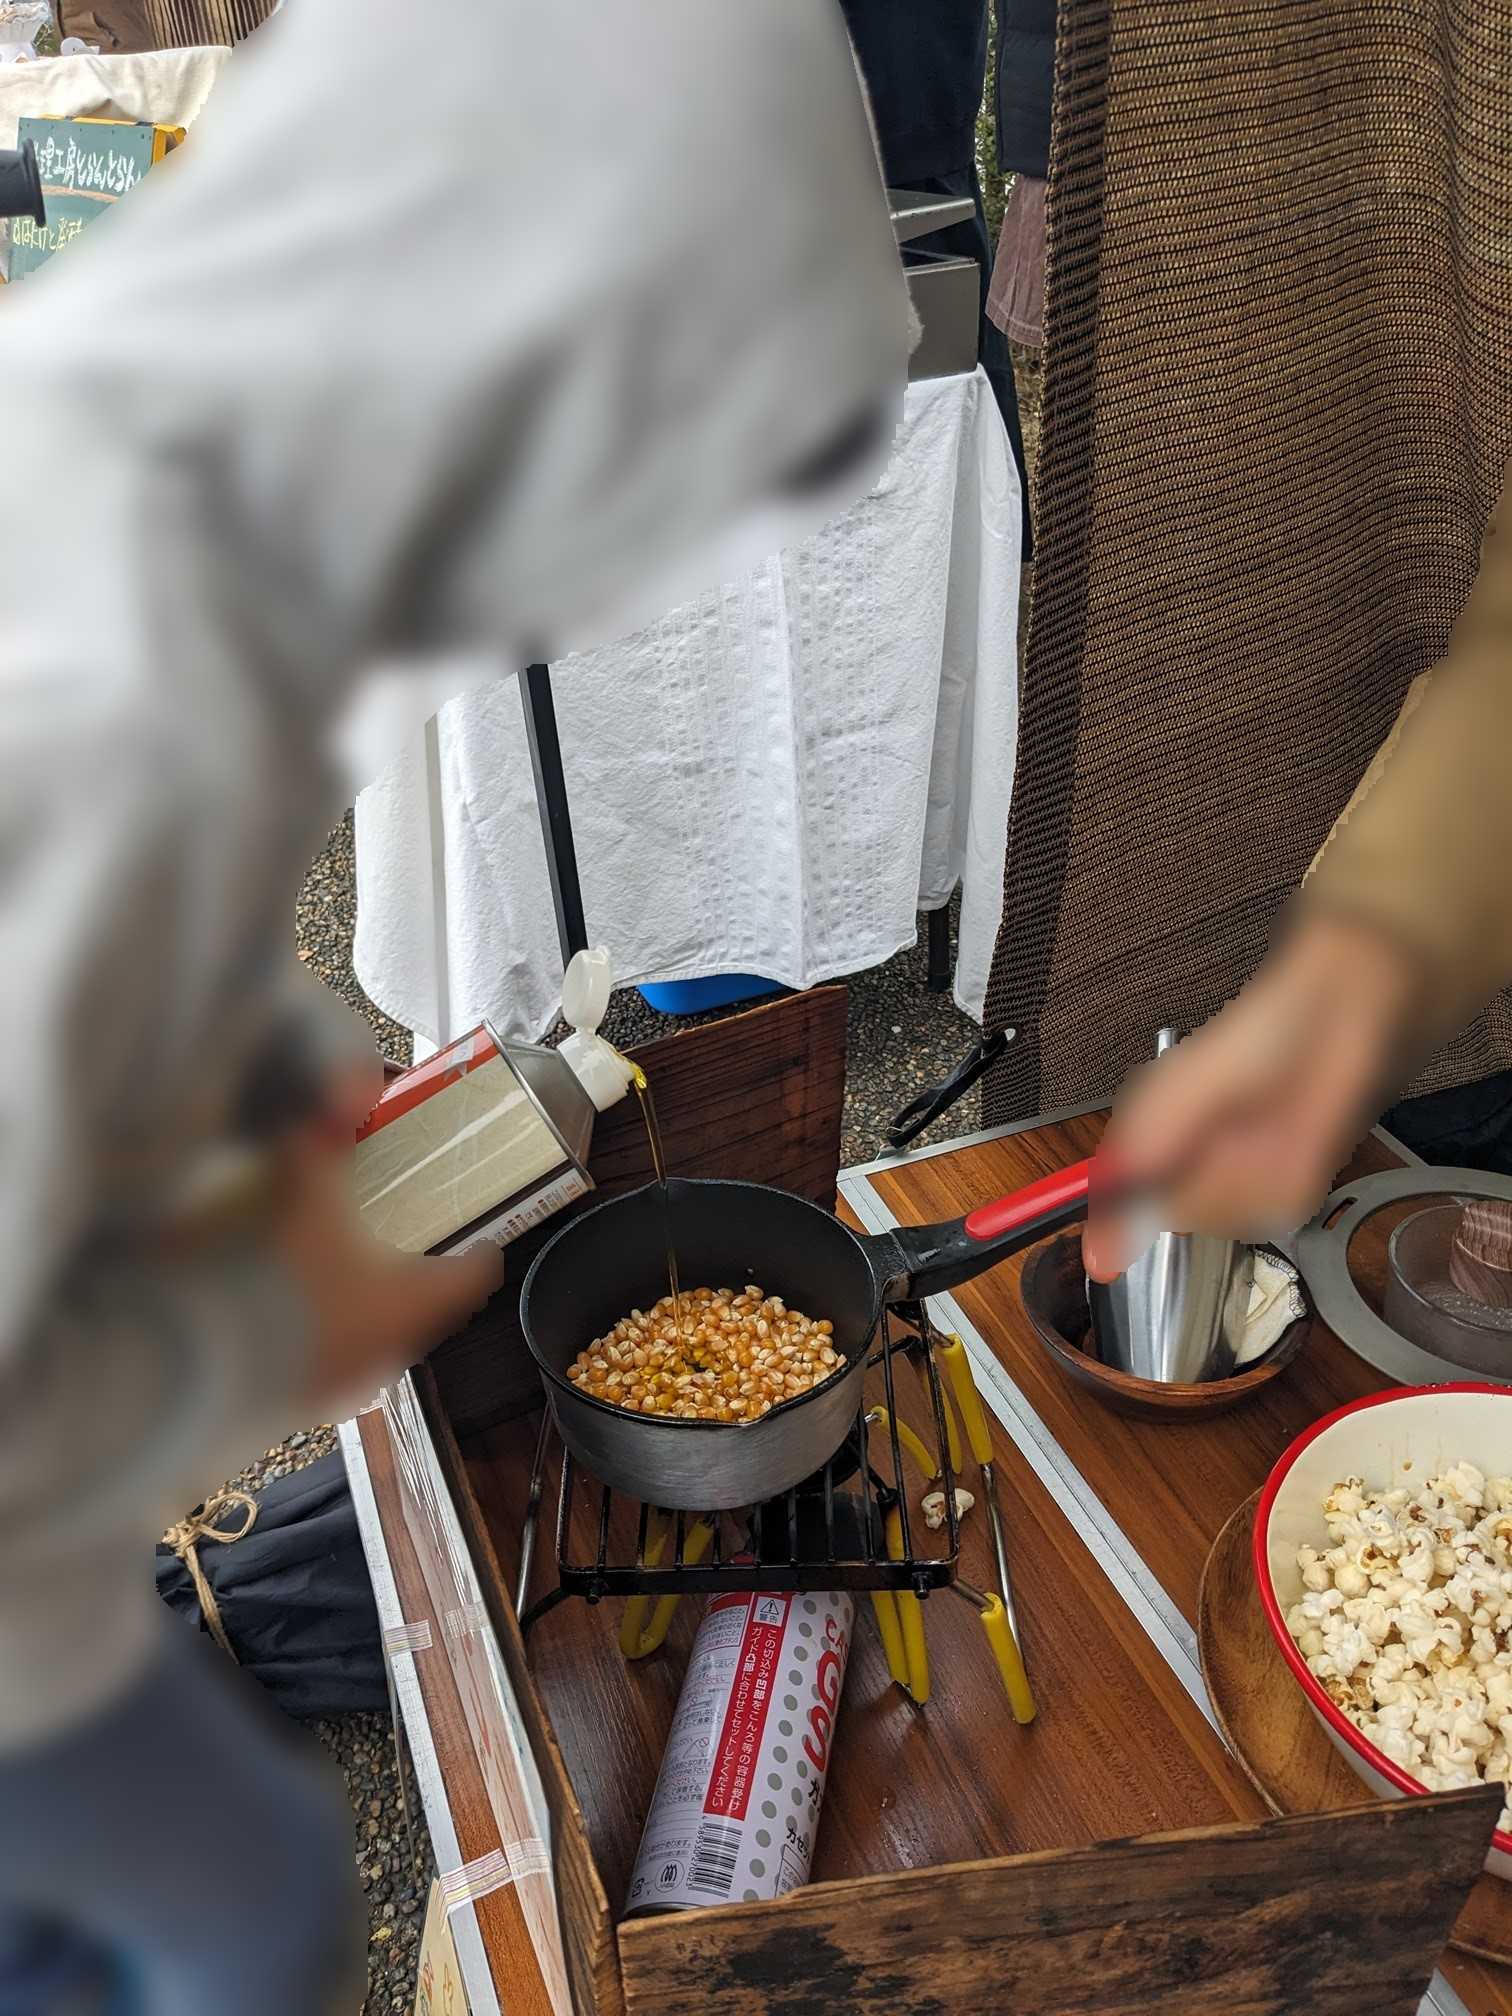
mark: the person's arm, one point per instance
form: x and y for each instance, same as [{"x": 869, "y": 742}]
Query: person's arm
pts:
[
  {"x": 1422, "y": 852},
  {"x": 1401, "y": 931}
]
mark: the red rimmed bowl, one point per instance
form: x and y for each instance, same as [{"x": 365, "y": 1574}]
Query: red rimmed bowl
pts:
[{"x": 1401, "y": 1437}]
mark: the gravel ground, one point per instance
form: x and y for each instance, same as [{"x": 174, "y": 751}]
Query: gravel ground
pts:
[{"x": 902, "y": 1039}]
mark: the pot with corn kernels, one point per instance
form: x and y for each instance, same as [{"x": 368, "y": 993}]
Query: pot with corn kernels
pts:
[
  {"x": 709, "y": 1354},
  {"x": 792, "y": 1405}
]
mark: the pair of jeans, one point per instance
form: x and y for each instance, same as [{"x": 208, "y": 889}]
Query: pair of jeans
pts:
[{"x": 186, "y": 1852}]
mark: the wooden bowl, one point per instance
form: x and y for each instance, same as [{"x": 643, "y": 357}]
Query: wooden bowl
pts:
[
  {"x": 1054, "y": 1290},
  {"x": 1266, "y": 1721}
]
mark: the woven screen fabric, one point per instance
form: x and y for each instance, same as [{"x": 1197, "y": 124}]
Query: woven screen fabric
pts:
[
  {"x": 184, "y": 24},
  {"x": 142, "y": 27},
  {"x": 1277, "y": 406}
]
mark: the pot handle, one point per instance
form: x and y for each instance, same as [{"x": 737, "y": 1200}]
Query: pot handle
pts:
[{"x": 920, "y": 1260}]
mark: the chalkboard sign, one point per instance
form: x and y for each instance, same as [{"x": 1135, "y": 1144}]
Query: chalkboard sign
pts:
[{"x": 86, "y": 165}]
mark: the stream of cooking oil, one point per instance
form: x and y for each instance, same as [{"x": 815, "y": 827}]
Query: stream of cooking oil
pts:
[{"x": 659, "y": 1164}]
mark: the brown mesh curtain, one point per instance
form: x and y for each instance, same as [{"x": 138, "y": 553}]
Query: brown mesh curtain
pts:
[
  {"x": 1277, "y": 402},
  {"x": 182, "y": 24},
  {"x": 128, "y": 27}
]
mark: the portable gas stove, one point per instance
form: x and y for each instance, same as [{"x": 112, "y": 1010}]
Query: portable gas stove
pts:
[{"x": 846, "y": 1527}]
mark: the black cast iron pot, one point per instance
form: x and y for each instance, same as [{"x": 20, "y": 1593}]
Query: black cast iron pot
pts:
[{"x": 613, "y": 1259}]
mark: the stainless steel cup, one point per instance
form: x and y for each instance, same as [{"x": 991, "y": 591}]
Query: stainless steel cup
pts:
[{"x": 1176, "y": 1315}]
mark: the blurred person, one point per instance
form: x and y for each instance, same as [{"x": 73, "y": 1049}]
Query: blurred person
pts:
[
  {"x": 1024, "y": 89},
  {"x": 925, "y": 66},
  {"x": 1400, "y": 933},
  {"x": 494, "y": 340}
]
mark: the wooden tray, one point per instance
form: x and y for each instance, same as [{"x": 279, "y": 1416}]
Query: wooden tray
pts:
[{"x": 1273, "y": 1733}]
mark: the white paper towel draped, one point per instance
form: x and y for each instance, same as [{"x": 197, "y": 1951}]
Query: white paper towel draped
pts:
[
  {"x": 167, "y": 87},
  {"x": 770, "y": 780}
]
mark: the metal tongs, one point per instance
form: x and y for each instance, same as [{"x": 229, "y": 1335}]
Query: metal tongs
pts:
[{"x": 900, "y": 1618}]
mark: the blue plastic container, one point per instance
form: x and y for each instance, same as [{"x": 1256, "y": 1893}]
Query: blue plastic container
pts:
[{"x": 693, "y": 997}]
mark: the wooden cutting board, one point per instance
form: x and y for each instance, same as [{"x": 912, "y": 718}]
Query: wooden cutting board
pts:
[{"x": 1274, "y": 1734}]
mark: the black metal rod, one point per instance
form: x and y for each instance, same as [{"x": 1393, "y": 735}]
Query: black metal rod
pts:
[
  {"x": 939, "y": 950},
  {"x": 551, "y": 800},
  {"x": 542, "y": 1607},
  {"x": 532, "y": 1515},
  {"x": 603, "y": 1538},
  {"x": 895, "y": 1445},
  {"x": 876, "y": 1544}
]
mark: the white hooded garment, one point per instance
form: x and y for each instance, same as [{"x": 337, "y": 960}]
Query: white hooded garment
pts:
[{"x": 408, "y": 349}]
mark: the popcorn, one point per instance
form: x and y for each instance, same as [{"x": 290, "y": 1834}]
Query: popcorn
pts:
[
  {"x": 1464, "y": 1483},
  {"x": 1372, "y": 1616},
  {"x": 1314, "y": 1573},
  {"x": 1397, "y": 1744},
  {"x": 1406, "y": 1621},
  {"x": 1346, "y": 1497},
  {"x": 1417, "y": 1564},
  {"x": 932, "y": 1505}
]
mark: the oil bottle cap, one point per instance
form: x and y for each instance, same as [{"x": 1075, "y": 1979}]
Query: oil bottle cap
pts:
[{"x": 586, "y": 987}]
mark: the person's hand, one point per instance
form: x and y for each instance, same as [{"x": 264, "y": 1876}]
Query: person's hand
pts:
[
  {"x": 373, "y": 1311},
  {"x": 1240, "y": 1129}
]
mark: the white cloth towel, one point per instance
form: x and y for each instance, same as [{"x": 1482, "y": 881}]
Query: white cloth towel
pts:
[
  {"x": 769, "y": 780},
  {"x": 166, "y": 87},
  {"x": 1275, "y": 1304}
]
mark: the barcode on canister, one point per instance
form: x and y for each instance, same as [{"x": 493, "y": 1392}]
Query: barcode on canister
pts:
[{"x": 715, "y": 1854}]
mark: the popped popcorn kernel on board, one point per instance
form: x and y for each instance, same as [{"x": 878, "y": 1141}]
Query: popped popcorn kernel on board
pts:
[{"x": 1407, "y": 1623}]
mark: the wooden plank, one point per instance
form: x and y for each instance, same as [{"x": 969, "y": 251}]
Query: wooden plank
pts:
[
  {"x": 1170, "y": 1485},
  {"x": 1331, "y": 1915},
  {"x": 587, "y": 1928},
  {"x": 757, "y": 1097},
  {"x": 506, "y": 1938},
  {"x": 1118, "y": 1746},
  {"x": 1485, "y": 1990},
  {"x": 456, "y": 1607}
]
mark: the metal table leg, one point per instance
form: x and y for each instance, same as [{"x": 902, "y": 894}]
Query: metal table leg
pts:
[
  {"x": 939, "y": 950},
  {"x": 556, "y": 820}
]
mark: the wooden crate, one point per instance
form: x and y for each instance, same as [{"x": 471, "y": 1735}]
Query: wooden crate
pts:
[
  {"x": 1111, "y": 1857},
  {"x": 1330, "y": 1914}
]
